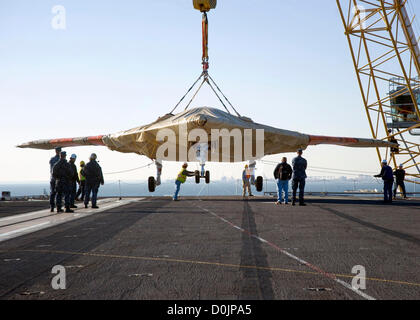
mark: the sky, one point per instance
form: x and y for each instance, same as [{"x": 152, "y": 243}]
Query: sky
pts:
[{"x": 121, "y": 64}]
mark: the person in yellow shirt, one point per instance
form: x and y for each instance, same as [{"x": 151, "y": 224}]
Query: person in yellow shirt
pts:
[
  {"x": 181, "y": 178},
  {"x": 82, "y": 184}
]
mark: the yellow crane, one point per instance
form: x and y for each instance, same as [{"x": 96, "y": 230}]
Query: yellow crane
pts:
[{"x": 386, "y": 56}]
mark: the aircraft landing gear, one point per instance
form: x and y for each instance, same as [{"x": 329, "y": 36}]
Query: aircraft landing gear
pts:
[
  {"x": 259, "y": 181},
  {"x": 152, "y": 182},
  {"x": 202, "y": 175}
]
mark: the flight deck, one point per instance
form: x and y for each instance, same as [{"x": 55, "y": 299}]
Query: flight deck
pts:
[{"x": 213, "y": 248}]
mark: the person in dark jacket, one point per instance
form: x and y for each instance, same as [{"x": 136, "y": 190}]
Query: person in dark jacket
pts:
[
  {"x": 74, "y": 180},
  {"x": 299, "y": 165},
  {"x": 283, "y": 173},
  {"x": 94, "y": 178},
  {"x": 53, "y": 193},
  {"x": 388, "y": 178},
  {"x": 62, "y": 174},
  {"x": 399, "y": 181},
  {"x": 82, "y": 185}
]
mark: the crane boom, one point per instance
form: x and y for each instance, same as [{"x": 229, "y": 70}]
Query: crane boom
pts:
[
  {"x": 386, "y": 57},
  {"x": 407, "y": 26}
]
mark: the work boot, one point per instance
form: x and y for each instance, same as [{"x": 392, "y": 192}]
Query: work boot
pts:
[{"x": 68, "y": 210}]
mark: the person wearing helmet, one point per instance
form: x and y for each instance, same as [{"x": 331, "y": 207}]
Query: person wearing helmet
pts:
[
  {"x": 399, "y": 181},
  {"x": 388, "y": 178},
  {"x": 82, "y": 184},
  {"x": 181, "y": 179},
  {"x": 74, "y": 180},
  {"x": 246, "y": 175},
  {"x": 94, "y": 178}
]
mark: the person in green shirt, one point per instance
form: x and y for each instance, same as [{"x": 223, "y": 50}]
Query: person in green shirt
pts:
[
  {"x": 182, "y": 178},
  {"x": 82, "y": 184}
]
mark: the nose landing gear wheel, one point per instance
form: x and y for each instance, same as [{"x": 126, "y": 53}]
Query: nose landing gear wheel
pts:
[
  {"x": 197, "y": 177},
  {"x": 152, "y": 184},
  {"x": 207, "y": 176},
  {"x": 259, "y": 183}
]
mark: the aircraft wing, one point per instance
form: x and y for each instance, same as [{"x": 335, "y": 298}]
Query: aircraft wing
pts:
[
  {"x": 48, "y": 144},
  {"x": 350, "y": 142},
  {"x": 146, "y": 140}
]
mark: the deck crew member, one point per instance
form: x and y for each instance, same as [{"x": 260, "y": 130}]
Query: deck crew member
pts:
[
  {"x": 53, "y": 192},
  {"x": 299, "y": 165},
  {"x": 246, "y": 183},
  {"x": 399, "y": 181},
  {"x": 181, "y": 179},
  {"x": 94, "y": 178},
  {"x": 283, "y": 173},
  {"x": 74, "y": 180},
  {"x": 388, "y": 178},
  {"x": 62, "y": 174},
  {"x": 82, "y": 179}
]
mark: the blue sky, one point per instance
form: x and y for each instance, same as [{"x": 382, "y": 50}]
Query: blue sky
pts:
[{"x": 121, "y": 64}]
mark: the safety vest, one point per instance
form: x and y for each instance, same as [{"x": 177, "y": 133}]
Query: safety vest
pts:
[
  {"x": 181, "y": 176},
  {"x": 81, "y": 176}
]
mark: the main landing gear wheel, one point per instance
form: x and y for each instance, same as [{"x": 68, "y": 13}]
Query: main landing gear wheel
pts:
[
  {"x": 207, "y": 177},
  {"x": 152, "y": 184},
  {"x": 197, "y": 177},
  {"x": 259, "y": 183}
]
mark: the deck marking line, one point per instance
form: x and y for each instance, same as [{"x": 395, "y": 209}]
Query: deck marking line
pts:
[
  {"x": 91, "y": 254},
  {"x": 24, "y": 229},
  {"x": 313, "y": 267}
]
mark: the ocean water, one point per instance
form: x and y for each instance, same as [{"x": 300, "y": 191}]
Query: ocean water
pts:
[{"x": 215, "y": 188}]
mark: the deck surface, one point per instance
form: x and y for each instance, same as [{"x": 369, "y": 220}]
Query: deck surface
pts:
[{"x": 218, "y": 248}]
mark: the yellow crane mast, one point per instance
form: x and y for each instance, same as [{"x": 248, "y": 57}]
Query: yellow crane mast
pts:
[{"x": 386, "y": 57}]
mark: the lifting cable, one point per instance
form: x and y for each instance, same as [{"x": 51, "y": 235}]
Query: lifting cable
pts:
[
  {"x": 201, "y": 75},
  {"x": 205, "y": 75},
  {"x": 129, "y": 170}
]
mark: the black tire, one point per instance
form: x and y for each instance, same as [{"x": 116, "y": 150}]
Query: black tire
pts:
[
  {"x": 197, "y": 177},
  {"x": 207, "y": 177},
  {"x": 259, "y": 183},
  {"x": 152, "y": 184}
]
